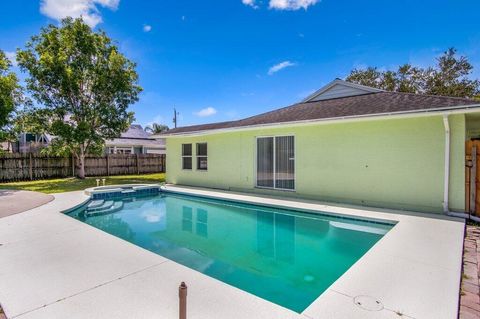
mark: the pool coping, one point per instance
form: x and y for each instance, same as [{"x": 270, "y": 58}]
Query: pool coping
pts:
[
  {"x": 118, "y": 188},
  {"x": 419, "y": 259}
]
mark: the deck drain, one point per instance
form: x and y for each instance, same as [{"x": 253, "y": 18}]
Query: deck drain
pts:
[{"x": 368, "y": 303}]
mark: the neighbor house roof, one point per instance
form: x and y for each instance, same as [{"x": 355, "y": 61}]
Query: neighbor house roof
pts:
[
  {"x": 135, "y": 131},
  {"x": 136, "y": 136},
  {"x": 349, "y": 101}
]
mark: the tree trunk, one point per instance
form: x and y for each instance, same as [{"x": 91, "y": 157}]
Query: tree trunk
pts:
[{"x": 81, "y": 162}]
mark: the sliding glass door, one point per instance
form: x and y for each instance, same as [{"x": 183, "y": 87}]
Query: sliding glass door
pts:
[
  {"x": 284, "y": 162},
  {"x": 276, "y": 162},
  {"x": 265, "y": 162}
]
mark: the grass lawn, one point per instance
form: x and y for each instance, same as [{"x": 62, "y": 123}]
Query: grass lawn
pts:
[{"x": 60, "y": 185}]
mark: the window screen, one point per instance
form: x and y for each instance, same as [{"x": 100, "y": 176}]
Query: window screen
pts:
[
  {"x": 202, "y": 158},
  {"x": 186, "y": 156}
]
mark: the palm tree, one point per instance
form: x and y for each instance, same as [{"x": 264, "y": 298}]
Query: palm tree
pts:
[{"x": 156, "y": 128}]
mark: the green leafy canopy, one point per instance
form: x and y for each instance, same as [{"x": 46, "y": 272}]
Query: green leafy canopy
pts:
[
  {"x": 83, "y": 83},
  {"x": 11, "y": 96},
  {"x": 450, "y": 77}
]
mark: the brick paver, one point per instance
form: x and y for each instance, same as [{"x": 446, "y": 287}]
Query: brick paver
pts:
[{"x": 470, "y": 293}]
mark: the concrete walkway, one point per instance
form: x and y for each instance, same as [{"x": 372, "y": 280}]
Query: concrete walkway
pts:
[{"x": 15, "y": 201}]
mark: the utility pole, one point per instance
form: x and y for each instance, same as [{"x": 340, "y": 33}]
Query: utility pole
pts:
[{"x": 175, "y": 113}]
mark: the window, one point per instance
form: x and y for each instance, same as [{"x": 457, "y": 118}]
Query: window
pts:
[
  {"x": 42, "y": 139},
  {"x": 186, "y": 156},
  {"x": 124, "y": 150},
  {"x": 202, "y": 159},
  {"x": 30, "y": 137},
  {"x": 276, "y": 162}
]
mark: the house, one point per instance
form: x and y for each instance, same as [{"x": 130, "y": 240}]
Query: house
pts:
[
  {"x": 344, "y": 143},
  {"x": 29, "y": 143},
  {"x": 135, "y": 141}
]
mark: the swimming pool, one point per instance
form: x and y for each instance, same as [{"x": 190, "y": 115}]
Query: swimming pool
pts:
[{"x": 284, "y": 256}]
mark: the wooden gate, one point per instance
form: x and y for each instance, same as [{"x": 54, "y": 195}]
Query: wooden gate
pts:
[{"x": 472, "y": 177}]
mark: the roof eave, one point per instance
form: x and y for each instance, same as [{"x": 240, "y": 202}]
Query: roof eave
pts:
[{"x": 462, "y": 109}]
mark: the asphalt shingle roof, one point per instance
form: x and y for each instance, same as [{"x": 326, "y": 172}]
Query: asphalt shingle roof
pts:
[
  {"x": 360, "y": 105},
  {"x": 135, "y": 131},
  {"x": 136, "y": 136}
]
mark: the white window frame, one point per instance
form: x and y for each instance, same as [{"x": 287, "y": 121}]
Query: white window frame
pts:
[
  {"x": 200, "y": 156},
  {"x": 191, "y": 157},
  {"x": 124, "y": 150},
  {"x": 274, "y": 163}
]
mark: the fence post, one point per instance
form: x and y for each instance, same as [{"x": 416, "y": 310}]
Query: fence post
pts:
[
  {"x": 138, "y": 164},
  {"x": 182, "y": 295},
  {"x": 73, "y": 165},
  {"x": 108, "y": 164},
  {"x": 473, "y": 182},
  {"x": 30, "y": 168}
]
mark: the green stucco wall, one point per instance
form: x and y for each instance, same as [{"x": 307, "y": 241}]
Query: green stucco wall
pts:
[{"x": 395, "y": 163}]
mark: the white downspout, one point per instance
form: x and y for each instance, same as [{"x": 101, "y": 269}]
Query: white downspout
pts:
[{"x": 447, "y": 164}]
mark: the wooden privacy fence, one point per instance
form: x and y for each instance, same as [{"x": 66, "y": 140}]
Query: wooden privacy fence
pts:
[
  {"x": 17, "y": 167},
  {"x": 472, "y": 177}
]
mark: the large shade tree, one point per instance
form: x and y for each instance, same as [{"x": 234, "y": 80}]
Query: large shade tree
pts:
[
  {"x": 10, "y": 97},
  {"x": 83, "y": 84},
  {"x": 451, "y": 76}
]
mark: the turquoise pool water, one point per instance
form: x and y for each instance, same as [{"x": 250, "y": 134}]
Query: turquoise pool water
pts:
[{"x": 283, "y": 256}]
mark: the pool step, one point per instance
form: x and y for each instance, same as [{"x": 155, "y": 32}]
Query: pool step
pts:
[
  {"x": 111, "y": 208},
  {"x": 95, "y": 203},
  {"x": 100, "y": 206}
]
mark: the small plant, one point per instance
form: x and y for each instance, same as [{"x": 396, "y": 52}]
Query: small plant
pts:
[
  {"x": 465, "y": 276},
  {"x": 472, "y": 223}
]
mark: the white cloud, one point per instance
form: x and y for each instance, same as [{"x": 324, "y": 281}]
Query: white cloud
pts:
[
  {"x": 147, "y": 28},
  {"x": 12, "y": 57},
  {"x": 208, "y": 111},
  {"x": 87, "y": 9},
  {"x": 250, "y": 3},
  {"x": 291, "y": 4},
  {"x": 151, "y": 218},
  {"x": 280, "y": 66}
]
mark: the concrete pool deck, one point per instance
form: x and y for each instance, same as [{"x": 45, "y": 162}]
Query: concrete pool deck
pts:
[{"x": 53, "y": 266}]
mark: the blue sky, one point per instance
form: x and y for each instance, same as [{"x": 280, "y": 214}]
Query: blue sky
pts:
[{"x": 218, "y": 60}]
